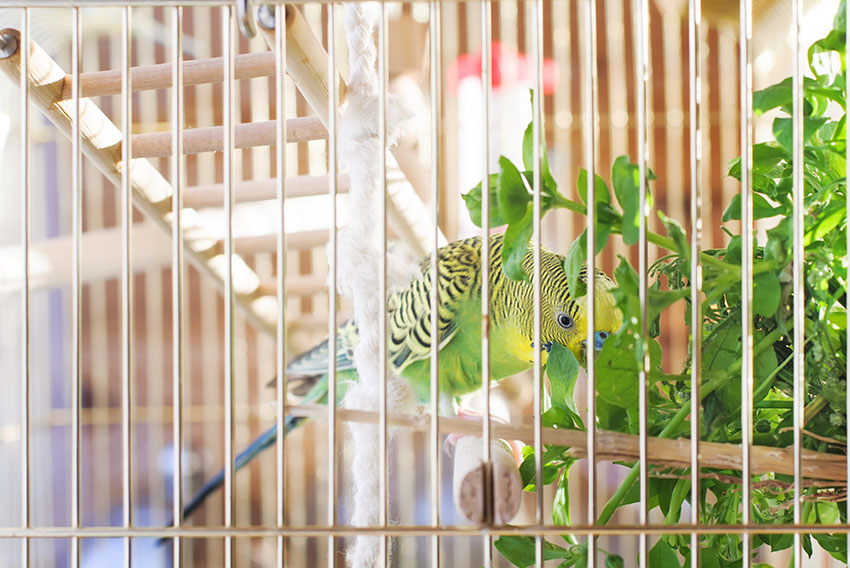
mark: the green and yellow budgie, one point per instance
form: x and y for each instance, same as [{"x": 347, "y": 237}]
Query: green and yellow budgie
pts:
[{"x": 563, "y": 320}]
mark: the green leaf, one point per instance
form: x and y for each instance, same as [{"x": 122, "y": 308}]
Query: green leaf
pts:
[
  {"x": 617, "y": 371},
  {"x": 512, "y": 193},
  {"x": 766, "y": 294},
  {"x": 548, "y": 182},
  {"x": 625, "y": 177},
  {"x": 519, "y": 550},
  {"x": 614, "y": 561},
  {"x": 515, "y": 246},
  {"x": 681, "y": 489},
  {"x": 600, "y": 188},
  {"x": 762, "y": 208},
  {"x": 562, "y": 370},
  {"x": 783, "y": 130},
  {"x": 473, "y": 203},
  {"x": 767, "y": 156},
  {"x": 835, "y": 545},
  {"x": 663, "y": 555},
  {"x": 774, "y": 96},
  {"x": 550, "y": 471},
  {"x": 677, "y": 233},
  {"x": 573, "y": 261},
  {"x": 827, "y": 220},
  {"x": 561, "y": 505}
]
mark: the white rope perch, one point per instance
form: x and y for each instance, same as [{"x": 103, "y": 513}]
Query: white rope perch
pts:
[{"x": 358, "y": 269}]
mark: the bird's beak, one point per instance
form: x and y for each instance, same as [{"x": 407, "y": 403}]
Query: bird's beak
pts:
[{"x": 598, "y": 339}]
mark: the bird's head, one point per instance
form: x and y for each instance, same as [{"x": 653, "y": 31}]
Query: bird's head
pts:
[{"x": 564, "y": 318}]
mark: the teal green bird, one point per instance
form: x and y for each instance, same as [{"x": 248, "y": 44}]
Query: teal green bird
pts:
[{"x": 563, "y": 320}]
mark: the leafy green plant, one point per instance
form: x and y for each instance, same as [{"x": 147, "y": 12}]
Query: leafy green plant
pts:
[{"x": 618, "y": 363}]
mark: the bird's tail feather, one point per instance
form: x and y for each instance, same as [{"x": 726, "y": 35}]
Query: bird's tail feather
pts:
[{"x": 263, "y": 441}]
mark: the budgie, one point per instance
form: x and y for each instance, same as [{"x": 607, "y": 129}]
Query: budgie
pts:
[{"x": 563, "y": 320}]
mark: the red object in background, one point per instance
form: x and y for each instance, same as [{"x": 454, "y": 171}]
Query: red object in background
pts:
[{"x": 507, "y": 68}]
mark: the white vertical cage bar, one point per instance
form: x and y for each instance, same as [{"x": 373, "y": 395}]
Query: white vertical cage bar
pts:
[
  {"x": 589, "y": 95},
  {"x": 847, "y": 276},
  {"x": 332, "y": 269},
  {"x": 126, "y": 282},
  {"x": 746, "y": 101},
  {"x": 177, "y": 274},
  {"x": 486, "y": 71},
  {"x": 382, "y": 280},
  {"x": 280, "y": 343},
  {"x": 23, "y": 48},
  {"x": 538, "y": 135},
  {"x": 695, "y": 106},
  {"x": 76, "y": 281},
  {"x": 229, "y": 352},
  {"x": 436, "y": 133},
  {"x": 798, "y": 192},
  {"x": 642, "y": 68}
]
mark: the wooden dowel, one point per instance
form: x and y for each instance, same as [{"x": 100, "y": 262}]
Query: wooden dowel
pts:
[
  {"x": 614, "y": 446},
  {"x": 298, "y": 285},
  {"x": 268, "y": 243},
  {"x": 151, "y": 192},
  {"x": 149, "y": 77},
  {"x": 211, "y": 139},
  {"x": 211, "y": 195},
  {"x": 50, "y": 259}
]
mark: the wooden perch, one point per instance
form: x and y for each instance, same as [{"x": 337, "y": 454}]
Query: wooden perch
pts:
[
  {"x": 149, "y": 77},
  {"x": 268, "y": 243},
  {"x": 101, "y": 142},
  {"x": 211, "y": 139},
  {"x": 50, "y": 259},
  {"x": 212, "y": 195},
  {"x": 615, "y": 446}
]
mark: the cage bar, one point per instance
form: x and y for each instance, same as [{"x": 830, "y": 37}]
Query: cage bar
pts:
[
  {"x": 333, "y": 103},
  {"x": 229, "y": 327},
  {"x": 589, "y": 102},
  {"x": 695, "y": 161},
  {"x": 282, "y": 383},
  {"x": 746, "y": 95},
  {"x": 126, "y": 284},
  {"x": 642, "y": 70},
  {"x": 435, "y": 75},
  {"x": 798, "y": 192},
  {"x": 26, "y": 237},
  {"x": 177, "y": 275},
  {"x": 76, "y": 285},
  {"x": 486, "y": 78},
  {"x": 539, "y": 135},
  {"x": 383, "y": 477}
]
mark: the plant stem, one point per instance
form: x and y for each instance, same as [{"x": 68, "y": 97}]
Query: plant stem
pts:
[
  {"x": 614, "y": 503},
  {"x": 813, "y": 408}
]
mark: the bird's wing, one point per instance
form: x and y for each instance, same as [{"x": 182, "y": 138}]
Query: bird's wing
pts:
[
  {"x": 409, "y": 309},
  {"x": 315, "y": 361}
]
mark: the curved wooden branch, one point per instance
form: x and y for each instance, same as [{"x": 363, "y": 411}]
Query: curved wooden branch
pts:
[{"x": 616, "y": 446}]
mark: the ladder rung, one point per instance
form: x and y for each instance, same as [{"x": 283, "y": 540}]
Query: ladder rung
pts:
[
  {"x": 149, "y": 77},
  {"x": 297, "y": 285},
  {"x": 211, "y": 138},
  {"x": 212, "y": 195},
  {"x": 268, "y": 243}
]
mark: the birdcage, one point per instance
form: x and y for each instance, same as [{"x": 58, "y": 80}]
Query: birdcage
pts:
[{"x": 197, "y": 193}]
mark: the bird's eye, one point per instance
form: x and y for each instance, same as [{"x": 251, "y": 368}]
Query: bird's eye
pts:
[{"x": 565, "y": 321}]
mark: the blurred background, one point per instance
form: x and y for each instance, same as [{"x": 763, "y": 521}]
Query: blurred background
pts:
[{"x": 256, "y": 221}]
